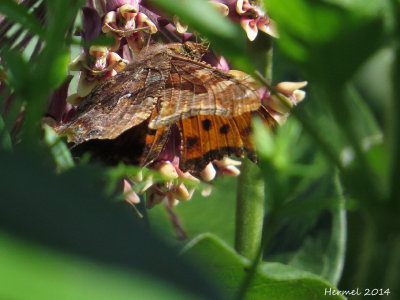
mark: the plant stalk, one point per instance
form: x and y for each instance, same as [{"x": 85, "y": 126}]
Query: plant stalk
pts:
[{"x": 249, "y": 210}]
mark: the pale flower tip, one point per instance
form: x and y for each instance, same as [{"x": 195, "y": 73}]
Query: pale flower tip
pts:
[
  {"x": 144, "y": 20},
  {"x": 181, "y": 28},
  {"x": 110, "y": 18},
  {"x": 239, "y": 7},
  {"x": 206, "y": 191},
  {"x": 231, "y": 171},
  {"x": 181, "y": 193},
  {"x": 167, "y": 170},
  {"x": 299, "y": 95},
  {"x": 74, "y": 99},
  {"x": 280, "y": 119},
  {"x": 98, "y": 51},
  {"x": 115, "y": 60},
  {"x": 250, "y": 28},
  {"x": 222, "y": 8},
  {"x": 269, "y": 28},
  {"x": 126, "y": 9},
  {"x": 130, "y": 195},
  {"x": 288, "y": 87},
  {"x": 208, "y": 173},
  {"x": 227, "y": 161}
]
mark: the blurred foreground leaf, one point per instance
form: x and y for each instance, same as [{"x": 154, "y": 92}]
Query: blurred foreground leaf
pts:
[
  {"x": 29, "y": 271},
  {"x": 271, "y": 281},
  {"x": 70, "y": 212},
  {"x": 20, "y": 15}
]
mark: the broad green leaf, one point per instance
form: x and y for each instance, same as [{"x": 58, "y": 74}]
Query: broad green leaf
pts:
[
  {"x": 32, "y": 272},
  {"x": 271, "y": 281}
]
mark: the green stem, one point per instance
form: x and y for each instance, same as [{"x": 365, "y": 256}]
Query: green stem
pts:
[
  {"x": 249, "y": 210},
  {"x": 339, "y": 233}
]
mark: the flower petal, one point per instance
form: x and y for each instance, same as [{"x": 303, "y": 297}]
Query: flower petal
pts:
[
  {"x": 208, "y": 173},
  {"x": 250, "y": 27},
  {"x": 288, "y": 87},
  {"x": 269, "y": 27}
]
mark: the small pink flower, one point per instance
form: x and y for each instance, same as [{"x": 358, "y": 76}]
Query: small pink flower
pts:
[
  {"x": 281, "y": 100},
  {"x": 250, "y": 16},
  {"x": 129, "y": 23}
]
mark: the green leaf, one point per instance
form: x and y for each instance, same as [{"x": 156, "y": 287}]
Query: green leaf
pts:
[
  {"x": 5, "y": 139},
  {"x": 271, "y": 281},
  {"x": 61, "y": 154},
  {"x": 323, "y": 252},
  {"x": 18, "y": 72},
  {"x": 30, "y": 271},
  {"x": 300, "y": 196},
  {"x": 51, "y": 68},
  {"x": 19, "y": 14},
  {"x": 329, "y": 42}
]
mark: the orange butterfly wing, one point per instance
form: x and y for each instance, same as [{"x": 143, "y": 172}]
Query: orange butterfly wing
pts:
[{"x": 206, "y": 138}]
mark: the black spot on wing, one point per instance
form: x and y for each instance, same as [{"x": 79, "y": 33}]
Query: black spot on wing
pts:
[
  {"x": 224, "y": 129},
  {"x": 206, "y": 124},
  {"x": 191, "y": 141},
  {"x": 151, "y": 131}
]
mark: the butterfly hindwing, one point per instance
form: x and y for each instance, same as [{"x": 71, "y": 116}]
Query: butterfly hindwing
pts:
[{"x": 206, "y": 138}]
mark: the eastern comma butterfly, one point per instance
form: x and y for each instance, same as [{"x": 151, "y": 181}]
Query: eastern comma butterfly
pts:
[{"x": 167, "y": 99}]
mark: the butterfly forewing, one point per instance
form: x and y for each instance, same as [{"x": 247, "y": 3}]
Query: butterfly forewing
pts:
[
  {"x": 122, "y": 102},
  {"x": 194, "y": 88}
]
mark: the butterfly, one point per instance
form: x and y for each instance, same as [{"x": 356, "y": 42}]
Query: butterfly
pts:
[{"x": 168, "y": 102}]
